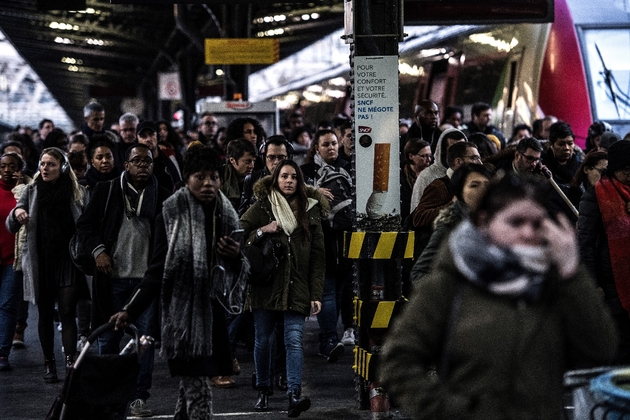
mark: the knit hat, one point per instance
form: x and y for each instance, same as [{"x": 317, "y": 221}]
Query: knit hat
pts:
[{"x": 619, "y": 156}]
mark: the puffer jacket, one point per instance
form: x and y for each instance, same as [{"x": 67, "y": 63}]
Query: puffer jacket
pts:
[{"x": 299, "y": 278}]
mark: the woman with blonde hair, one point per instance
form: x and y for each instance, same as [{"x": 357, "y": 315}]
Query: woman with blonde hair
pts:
[{"x": 49, "y": 208}]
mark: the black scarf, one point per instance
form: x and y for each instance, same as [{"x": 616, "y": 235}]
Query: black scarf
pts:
[
  {"x": 55, "y": 224},
  {"x": 93, "y": 177},
  {"x": 146, "y": 198}
]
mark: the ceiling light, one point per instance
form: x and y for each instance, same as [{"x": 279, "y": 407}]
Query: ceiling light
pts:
[
  {"x": 306, "y": 17},
  {"x": 314, "y": 15},
  {"x": 219, "y": 72},
  {"x": 60, "y": 40}
]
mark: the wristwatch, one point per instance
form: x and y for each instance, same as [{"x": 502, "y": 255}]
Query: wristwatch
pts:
[{"x": 259, "y": 233}]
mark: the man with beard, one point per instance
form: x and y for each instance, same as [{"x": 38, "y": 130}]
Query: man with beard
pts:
[{"x": 425, "y": 124}]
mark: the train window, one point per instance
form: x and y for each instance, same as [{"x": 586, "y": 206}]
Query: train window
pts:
[{"x": 607, "y": 56}]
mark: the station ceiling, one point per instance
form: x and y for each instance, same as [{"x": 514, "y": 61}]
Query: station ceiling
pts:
[{"x": 109, "y": 50}]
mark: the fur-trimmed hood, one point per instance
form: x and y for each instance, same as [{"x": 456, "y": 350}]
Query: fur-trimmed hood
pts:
[{"x": 262, "y": 188}]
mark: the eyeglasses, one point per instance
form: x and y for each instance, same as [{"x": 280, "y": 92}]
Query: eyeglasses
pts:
[
  {"x": 601, "y": 170},
  {"x": 273, "y": 158},
  {"x": 424, "y": 156},
  {"x": 141, "y": 162},
  {"x": 209, "y": 123},
  {"x": 530, "y": 159},
  {"x": 473, "y": 157}
]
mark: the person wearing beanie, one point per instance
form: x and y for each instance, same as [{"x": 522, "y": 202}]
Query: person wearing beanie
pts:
[{"x": 604, "y": 239}]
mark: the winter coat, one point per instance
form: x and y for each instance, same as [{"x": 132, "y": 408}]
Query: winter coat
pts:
[
  {"x": 299, "y": 278},
  {"x": 97, "y": 228},
  {"x": 231, "y": 186},
  {"x": 20, "y": 236},
  {"x": 496, "y": 357},
  {"x": 437, "y": 196},
  {"x": 443, "y": 225},
  {"x": 594, "y": 251},
  {"x": 30, "y": 257}
]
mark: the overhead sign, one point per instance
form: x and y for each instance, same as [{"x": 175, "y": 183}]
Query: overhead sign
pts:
[
  {"x": 169, "y": 88},
  {"x": 242, "y": 51},
  {"x": 376, "y": 134}
]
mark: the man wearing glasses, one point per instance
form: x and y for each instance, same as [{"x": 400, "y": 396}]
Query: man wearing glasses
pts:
[
  {"x": 208, "y": 128},
  {"x": 274, "y": 150},
  {"x": 526, "y": 157},
  {"x": 117, "y": 228}
]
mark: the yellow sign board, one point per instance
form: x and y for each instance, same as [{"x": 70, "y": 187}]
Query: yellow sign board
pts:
[{"x": 242, "y": 51}]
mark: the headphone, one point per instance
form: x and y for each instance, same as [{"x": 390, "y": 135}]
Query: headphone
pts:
[
  {"x": 65, "y": 165},
  {"x": 274, "y": 140}
]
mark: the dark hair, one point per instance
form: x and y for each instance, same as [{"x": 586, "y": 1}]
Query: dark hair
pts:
[
  {"x": 560, "y": 130},
  {"x": 325, "y": 124},
  {"x": 172, "y": 137},
  {"x": 79, "y": 138},
  {"x": 100, "y": 140},
  {"x": 137, "y": 146},
  {"x": 297, "y": 131},
  {"x": 237, "y": 148},
  {"x": 449, "y": 111},
  {"x": 537, "y": 128},
  {"x": 235, "y": 129},
  {"x": 485, "y": 146},
  {"x": 277, "y": 140},
  {"x": 528, "y": 143},
  {"x": 300, "y": 193},
  {"x": 458, "y": 150},
  {"x": 206, "y": 114},
  {"x": 591, "y": 159},
  {"x": 11, "y": 143},
  {"x": 453, "y": 134},
  {"x": 52, "y": 139},
  {"x": 77, "y": 160},
  {"x": 505, "y": 190},
  {"x": 20, "y": 161},
  {"x": 310, "y": 154},
  {"x": 413, "y": 146},
  {"x": 201, "y": 158},
  {"x": 458, "y": 180},
  {"x": 520, "y": 127},
  {"x": 43, "y": 122},
  {"x": 478, "y": 108}
]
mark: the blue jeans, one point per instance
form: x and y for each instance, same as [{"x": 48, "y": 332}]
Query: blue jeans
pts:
[
  {"x": 9, "y": 298},
  {"x": 331, "y": 304},
  {"x": 264, "y": 325},
  {"x": 109, "y": 341}
]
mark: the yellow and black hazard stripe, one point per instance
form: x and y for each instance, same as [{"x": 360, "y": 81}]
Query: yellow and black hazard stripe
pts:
[
  {"x": 374, "y": 315},
  {"x": 364, "y": 363},
  {"x": 378, "y": 245}
]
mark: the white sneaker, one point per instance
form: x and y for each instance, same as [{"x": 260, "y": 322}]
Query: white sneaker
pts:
[
  {"x": 138, "y": 408},
  {"x": 348, "y": 337}
]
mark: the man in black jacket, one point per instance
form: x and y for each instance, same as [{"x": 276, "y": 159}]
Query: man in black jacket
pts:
[{"x": 117, "y": 227}]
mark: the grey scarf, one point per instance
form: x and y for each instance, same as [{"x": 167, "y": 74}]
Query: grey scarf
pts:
[
  {"x": 517, "y": 272},
  {"x": 187, "y": 312}
]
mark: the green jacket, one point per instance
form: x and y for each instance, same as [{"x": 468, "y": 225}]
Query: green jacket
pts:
[
  {"x": 230, "y": 185},
  {"x": 496, "y": 358},
  {"x": 300, "y": 275}
]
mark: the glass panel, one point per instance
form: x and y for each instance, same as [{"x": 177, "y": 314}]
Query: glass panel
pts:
[{"x": 608, "y": 68}]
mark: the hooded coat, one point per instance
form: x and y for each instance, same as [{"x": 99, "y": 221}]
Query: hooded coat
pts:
[
  {"x": 299, "y": 278},
  {"x": 433, "y": 172}
]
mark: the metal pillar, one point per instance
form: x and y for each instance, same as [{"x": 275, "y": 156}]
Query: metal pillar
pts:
[{"x": 377, "y": 29}]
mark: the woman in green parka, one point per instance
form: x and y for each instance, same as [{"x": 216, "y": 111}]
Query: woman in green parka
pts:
[{"x": 290, "y": 211}]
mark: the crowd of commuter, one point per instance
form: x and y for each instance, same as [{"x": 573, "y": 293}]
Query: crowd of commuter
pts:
[{"x": 164, "y": 218}]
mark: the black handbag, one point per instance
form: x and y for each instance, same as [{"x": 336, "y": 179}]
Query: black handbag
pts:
[{"x": 264, "y": 257}]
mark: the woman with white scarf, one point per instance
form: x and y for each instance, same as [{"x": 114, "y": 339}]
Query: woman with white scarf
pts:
[
  {"x": 505, "y": 311},
  {"x": 289, "y": 211}
]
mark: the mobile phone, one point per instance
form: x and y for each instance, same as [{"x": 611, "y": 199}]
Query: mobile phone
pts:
[{"x": 237, "y": 235}]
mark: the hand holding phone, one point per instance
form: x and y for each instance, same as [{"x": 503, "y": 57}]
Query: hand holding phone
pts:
[{"x": 237, "y": 235}]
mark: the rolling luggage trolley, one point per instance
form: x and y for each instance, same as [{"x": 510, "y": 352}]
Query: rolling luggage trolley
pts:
[
  {"x": 99, "y": 387},
  {"x": 601, "y": 393}
]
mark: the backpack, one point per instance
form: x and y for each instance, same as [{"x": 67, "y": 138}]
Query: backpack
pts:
[{"x": 339, "y": 182}]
